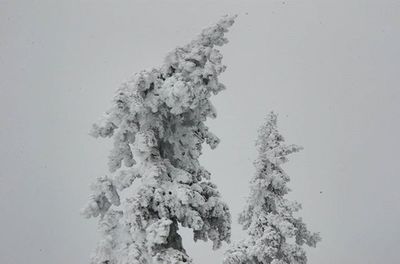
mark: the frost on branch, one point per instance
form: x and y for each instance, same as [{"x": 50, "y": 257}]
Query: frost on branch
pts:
[
  {"x": 158, "y": 130},
  {"x": 274, "y": 234},
  {"x": 104, "y": 194}
]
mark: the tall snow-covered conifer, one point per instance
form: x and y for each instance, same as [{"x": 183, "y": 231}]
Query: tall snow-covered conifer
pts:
[
  {"x": 274, "y": 234},
  {"x": 156, "y": 181}
]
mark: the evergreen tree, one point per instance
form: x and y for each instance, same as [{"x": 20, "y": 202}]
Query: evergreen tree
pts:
[
  {"x": 157, "y": 125},
  {"x": 274, "y": 234}
]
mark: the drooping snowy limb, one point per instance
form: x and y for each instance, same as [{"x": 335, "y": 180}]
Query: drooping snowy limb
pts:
[
  {"x": 157, "y": 125},
  {"x": 274, "y": 234}
]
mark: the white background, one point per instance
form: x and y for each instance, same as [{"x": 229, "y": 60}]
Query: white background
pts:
[{"x": 329, "y": 68}]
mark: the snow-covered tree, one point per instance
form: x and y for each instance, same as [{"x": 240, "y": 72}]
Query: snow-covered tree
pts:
[
  {"x": 156, "y": 182},
  {"x": 274, "y": 234}
]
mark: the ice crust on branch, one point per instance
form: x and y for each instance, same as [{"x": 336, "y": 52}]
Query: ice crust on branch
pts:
[
  {"x": 274, "y": 234},
  {"x": 157, "y": 126}
]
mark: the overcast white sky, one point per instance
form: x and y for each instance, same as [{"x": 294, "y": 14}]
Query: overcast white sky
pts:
[{"x": 329, "y": 68}]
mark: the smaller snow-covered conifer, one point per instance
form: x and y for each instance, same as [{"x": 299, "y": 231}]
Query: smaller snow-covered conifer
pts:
[{"x": 274, "y": 234}]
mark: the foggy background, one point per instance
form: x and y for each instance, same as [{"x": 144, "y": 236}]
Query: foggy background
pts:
[{"x": 329, "y": 68}]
